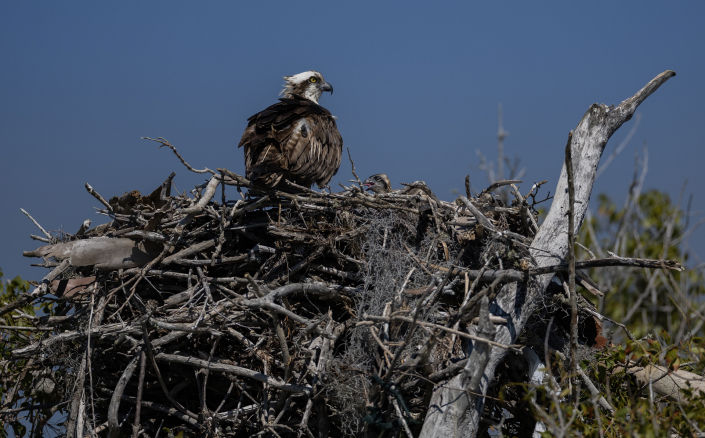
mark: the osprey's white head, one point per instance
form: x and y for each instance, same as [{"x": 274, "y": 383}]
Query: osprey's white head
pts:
[{"x": 309, "y": 84}]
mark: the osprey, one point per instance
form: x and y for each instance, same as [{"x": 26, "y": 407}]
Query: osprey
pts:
[
  {"x": 295, "y": 139},
  {"x": 378, "y": 183}
]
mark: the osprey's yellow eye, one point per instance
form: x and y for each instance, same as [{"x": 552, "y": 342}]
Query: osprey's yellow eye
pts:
[{"x": 313, "y": 79}]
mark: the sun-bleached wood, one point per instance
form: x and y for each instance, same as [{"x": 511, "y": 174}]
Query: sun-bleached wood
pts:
[{"x": 516, "y": 302}]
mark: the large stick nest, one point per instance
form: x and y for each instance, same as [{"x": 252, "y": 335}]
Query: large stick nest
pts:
[{"x": 278, "y": 313}]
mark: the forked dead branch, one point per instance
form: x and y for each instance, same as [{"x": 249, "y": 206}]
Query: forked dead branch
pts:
[{"x": 302, "y": 313}]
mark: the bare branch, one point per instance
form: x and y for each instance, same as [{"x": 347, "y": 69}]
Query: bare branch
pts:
[{"x": 166, "y": 143}]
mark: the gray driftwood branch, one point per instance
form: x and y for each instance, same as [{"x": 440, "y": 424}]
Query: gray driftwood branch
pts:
[{"x": 516, "y": 301}]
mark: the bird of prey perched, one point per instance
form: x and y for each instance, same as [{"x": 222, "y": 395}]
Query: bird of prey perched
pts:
[{"x": 295, "y": 139}]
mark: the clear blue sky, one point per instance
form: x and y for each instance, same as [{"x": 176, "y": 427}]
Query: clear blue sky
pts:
[{"x": 416, "y": 92}]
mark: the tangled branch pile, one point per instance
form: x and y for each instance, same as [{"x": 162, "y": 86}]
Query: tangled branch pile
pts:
[{"x": 295, "y": 312}]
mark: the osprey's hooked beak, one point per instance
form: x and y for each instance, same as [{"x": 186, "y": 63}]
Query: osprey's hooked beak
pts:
[{"x": 325, "y": 86}]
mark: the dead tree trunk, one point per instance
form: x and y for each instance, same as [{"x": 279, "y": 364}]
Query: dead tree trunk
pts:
[{"x": 550, "y": 246}]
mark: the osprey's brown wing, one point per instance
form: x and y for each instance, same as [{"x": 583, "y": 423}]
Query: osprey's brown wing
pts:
[{"x": 294, "y": 139}]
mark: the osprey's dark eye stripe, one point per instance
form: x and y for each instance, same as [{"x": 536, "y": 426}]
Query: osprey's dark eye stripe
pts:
[{"x": 313, "y": 79}]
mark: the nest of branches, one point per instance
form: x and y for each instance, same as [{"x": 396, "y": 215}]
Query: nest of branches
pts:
[{"x": 285, "y": 312}]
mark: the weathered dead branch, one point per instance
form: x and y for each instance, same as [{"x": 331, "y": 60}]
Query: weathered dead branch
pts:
[{"x": 550, "y": 246}]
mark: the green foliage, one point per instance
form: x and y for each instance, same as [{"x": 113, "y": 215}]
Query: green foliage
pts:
[
  {"x": 636, "y": 413},
  {"x": 16, "y": 378},
  {"x": 646, "y": 301},
  {"x": 658, "y": 307}
]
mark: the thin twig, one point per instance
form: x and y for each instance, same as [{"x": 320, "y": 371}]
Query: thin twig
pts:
[
  {"x": 357, "y": 178},
  {"x": 164, "y": 142},
  {"x": 49, "y": 236},
  {"x": 371, "y": 318},
  {"x": 97, "y": 196}
]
